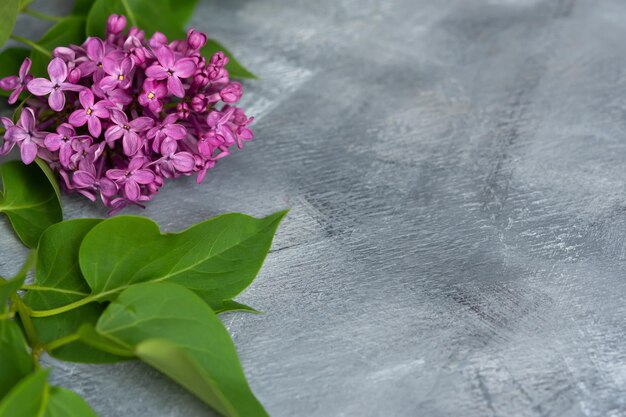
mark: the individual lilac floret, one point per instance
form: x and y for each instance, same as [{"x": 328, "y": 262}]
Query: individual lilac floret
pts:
[
  {"x": 174, "y": 162},
  {"x": 94, "y": 50},
  {"x": 55, "y": 86},
  {"x": 172, "y": 70},
  {"x": 62, "y": 141},
  {"x": 17, "y": 83},
  {"x": 166, "y": 132},
  {"x": 153, "y": 92},
  {"x": 118, "y": 73},
  {"x": 88, "y": 183},
  {"x": 91, "y": 113},
  {"x": 8, "y": 144},
  {"x": 132, "y": 177},
  {"x": 26, "y": 136},
  {"x": 120, "y": 115},
  {"x": 129, "y": 131}
]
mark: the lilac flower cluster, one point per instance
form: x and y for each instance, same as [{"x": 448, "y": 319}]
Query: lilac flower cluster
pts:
[{"x": 116, "y": 117}]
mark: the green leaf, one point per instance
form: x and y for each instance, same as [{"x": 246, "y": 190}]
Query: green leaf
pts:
[
  {"x": 217, "y": 258},
  {"x": 174, "y": 331},
  {"x": 235, "y": 69},
  {"x": 82, "y": 7},
  {"x": 67, "y": 31},
  {"x": 7, "y": 289},
  {"x": 88, "y": 335},
  {"x": 15, "y": 360},
  {"x": 33, "y": 397},
  {"x": 11, "y": 59},
  {"x": 28, "y": 200},
  {"x": 8, "y": 10},
  {"x": 228, "y": 306},
  {"x": 24, "y": 4},
  {"x": 182, "y": 10},
  {"x": 65, "y": 403},
  {"x": 151, "y": 16},
  {"x": 50, "y": 175},
  {"x": 58, "y": 281},
  {"x": 27, "y": 397}
]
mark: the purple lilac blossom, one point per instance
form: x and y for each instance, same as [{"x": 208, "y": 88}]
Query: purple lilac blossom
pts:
[
  {"x": 125, "y": 112},
  {"x": 55, "y": 86},
  {"x": 25, "y": 134},
  {"x": 17, "y": 83}
]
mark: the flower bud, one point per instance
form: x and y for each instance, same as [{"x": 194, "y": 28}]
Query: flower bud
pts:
[
  {"x": 198, "y": 103},
  {"x": 231, "y": 93},
  {"x": 137, "y": 33},
  {"x": 116, "y": 24},
  {"x": 182, "y": 110},
  {"x": 200, "y": 80},
  {"x": 196, "y": 40},
  {"x": 74, "y": 75},
  {"x": 157, "y": 40},
  {"x": 219, "y": 59},
  {"x": 216, "y": 73}
]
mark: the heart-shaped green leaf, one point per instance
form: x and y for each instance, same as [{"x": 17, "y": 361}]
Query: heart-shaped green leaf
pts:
[
  {"x": 82, "y": 7},
  {"x": 182, "y": 10},
  {"x": 217, "y": 258},
  {"x": 33, "y": 397},
  {"x": 50, "y": 175},
  {"x": 8, "y": 10},
  {"x": 15, "y": 360},
  {"x": 173, "y": 330},
  {"x": 26, "y": 398},
  {"x": 58, "y": 282},
  {"x": 29, "y": 201},
  {"x": 65, "y": 403}
]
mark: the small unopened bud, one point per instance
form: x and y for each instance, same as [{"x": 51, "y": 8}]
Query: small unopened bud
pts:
[
  {"x": 219, "y": 59},
  {"x": 196, "y": 40},
  {"x": 137, "y": 33},
  {"x": 198, "y": 103},
  {"x": 231, "y": 93},
  {"x": 74, "y": 75},
  {"x": 157, "y": 40},
  {"x": 200, "y": 80},
  {"x": 182, "y": 111},
  {"x": 116, "y": 24}
]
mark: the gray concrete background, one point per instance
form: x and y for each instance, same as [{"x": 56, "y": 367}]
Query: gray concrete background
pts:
[{"x": 456, "y": 244}]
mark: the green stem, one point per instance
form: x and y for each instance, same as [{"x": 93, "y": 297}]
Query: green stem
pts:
[
  {"x": 62, "y": 341},
  {"x": 25, "y": 316},
  {"x": 52, "y": 289},
  {"x": 32, "y": 44},
  {"x": 129, "y": 12},
  {"x": 65, "y": 308},
  {"x": 42, "y": 16}
]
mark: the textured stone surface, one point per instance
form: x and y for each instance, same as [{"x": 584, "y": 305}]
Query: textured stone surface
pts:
[{"x": 456, "y": 244}]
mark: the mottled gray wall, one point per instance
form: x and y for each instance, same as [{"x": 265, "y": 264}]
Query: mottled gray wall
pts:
[{"x": 456, "y": 246}]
